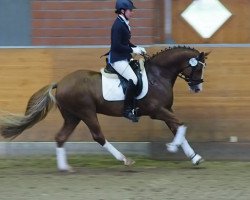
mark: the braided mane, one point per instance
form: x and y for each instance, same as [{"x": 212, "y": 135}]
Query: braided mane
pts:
[{"x": 149, "y": 58}]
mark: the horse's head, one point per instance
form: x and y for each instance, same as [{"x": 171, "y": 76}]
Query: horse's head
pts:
[
  {"x": 193, "y": 71},
  {"x": 185, "y": 62}
]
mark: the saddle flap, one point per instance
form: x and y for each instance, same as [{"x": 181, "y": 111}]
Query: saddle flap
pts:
[
  {"x": 135, "y": 66},
  {"x": 114, "y": 85}
]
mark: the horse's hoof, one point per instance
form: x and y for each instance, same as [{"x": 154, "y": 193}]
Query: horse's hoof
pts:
[
  {"x": 71, "y": 170},
  {"x": 129, "y": 162},
  {"x": 68, "y": 169},
  {"x": 197, "y": 159},
  {"x": 172, "y": 147}
]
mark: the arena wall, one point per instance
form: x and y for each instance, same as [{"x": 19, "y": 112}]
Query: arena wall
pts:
[
  {"x": 220, "y": 111},
  {"x": 235, "y": 30},
  {"x": 74, "y": 22},
  {"x": 89, "y": 22}
]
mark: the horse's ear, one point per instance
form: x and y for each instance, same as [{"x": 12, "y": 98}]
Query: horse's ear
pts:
[
  {"x": 201, "y": 56},
  {"x": 207, "y": 53}
]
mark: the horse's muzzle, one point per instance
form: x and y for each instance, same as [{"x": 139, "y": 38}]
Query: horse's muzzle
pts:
[{"x": 196, "y": 88}]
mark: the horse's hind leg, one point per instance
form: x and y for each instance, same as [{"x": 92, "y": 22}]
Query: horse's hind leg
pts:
[
  {"x": 70, "y": 123},
  {"x": 92, "y": 122}
]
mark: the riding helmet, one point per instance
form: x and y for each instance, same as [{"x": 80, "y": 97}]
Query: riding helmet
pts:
[{"x": 124, "y": 4}]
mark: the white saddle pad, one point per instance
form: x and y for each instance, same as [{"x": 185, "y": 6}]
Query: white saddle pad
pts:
[{"x": 112, "y": 89}]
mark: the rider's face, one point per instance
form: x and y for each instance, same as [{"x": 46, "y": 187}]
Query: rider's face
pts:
[{"x": 128, "y": 14}]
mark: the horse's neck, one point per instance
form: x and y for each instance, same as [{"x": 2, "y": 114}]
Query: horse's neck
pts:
[
  {"x": 167, "y": 67},
  {"x": 161, "y": 75}
]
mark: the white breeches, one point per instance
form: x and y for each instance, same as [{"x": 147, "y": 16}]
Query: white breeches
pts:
[{"x": 124, "y": 69}]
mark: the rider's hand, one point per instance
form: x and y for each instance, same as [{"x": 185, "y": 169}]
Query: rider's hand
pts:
[
  {"x": 137, "y": 50},
  {"x": 143, "y": 49}
]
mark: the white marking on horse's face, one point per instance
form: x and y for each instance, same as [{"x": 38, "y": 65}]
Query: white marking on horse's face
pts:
[{"x": 198, "y": 88}]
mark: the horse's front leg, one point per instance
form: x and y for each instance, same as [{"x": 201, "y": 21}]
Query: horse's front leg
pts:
[
  {"x": 189, "y": 152},
  {"x": 179, "y": 131},
  {"x": 177, "y": 128}
]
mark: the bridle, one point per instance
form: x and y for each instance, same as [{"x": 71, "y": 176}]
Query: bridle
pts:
[{"x": 193, "y": 63}]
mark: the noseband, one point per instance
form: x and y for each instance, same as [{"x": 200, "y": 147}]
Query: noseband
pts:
[{"x": 193, "y": 63}]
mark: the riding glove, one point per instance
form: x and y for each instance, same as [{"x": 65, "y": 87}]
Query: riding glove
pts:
[
  {"x": 138, "y": 50},
  {"x": 142, "y": 49}
]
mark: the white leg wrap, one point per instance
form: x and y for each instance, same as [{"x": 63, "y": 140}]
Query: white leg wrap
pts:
[
  {"x": 197, "y": 159},
  {"x": 189, "y": 152},
  {"x": 117, "y": 154},
  {"x": 180, "y": 135},
  {"x": 62, "y": 163},
  {"x": 178, "y": 139}
]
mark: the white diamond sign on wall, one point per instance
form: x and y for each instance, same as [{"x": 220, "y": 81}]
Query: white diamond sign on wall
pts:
[{"x": 206, "y": 16}]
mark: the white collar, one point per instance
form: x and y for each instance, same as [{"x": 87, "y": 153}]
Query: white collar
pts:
[{"x": 125, "y": 20}]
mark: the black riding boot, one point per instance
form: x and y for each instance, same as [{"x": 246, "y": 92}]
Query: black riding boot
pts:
[{"x": 129, "y": 110}]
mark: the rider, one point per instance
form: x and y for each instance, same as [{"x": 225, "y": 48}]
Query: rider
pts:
[{"x": 120, "y": 53}]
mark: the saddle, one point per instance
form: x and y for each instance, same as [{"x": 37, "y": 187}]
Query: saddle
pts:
[
  {"x": 114, "y": 86},
  {"x": 135, "y": 65}
]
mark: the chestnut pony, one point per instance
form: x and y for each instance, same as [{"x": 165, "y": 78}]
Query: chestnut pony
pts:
[{"x": 79, "y": 98}]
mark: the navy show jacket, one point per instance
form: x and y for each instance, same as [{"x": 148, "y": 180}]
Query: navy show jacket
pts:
[{"x": 120, "y": 41}]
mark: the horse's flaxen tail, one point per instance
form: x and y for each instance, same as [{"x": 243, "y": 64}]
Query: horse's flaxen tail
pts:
[{"x": 37, "y": 109}]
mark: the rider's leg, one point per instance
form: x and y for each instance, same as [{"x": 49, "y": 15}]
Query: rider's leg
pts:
[
  {"x": 124, "y": 69},
  {"x": 129, "y": 102}
]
